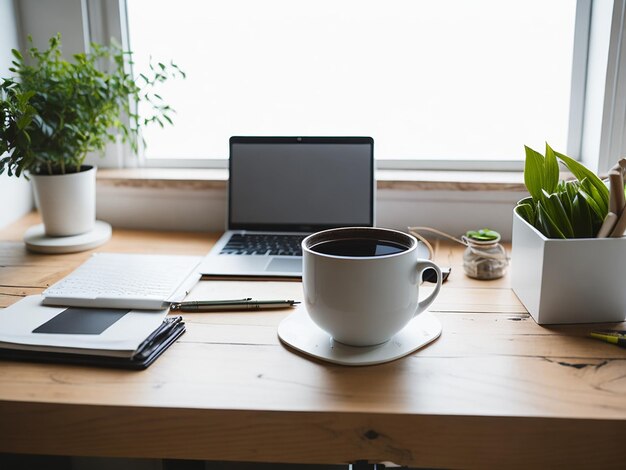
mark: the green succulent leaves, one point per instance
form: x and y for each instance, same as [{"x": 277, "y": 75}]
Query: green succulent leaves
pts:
[
  {"x": 562, "y": 209},
  {"x": 483, "y": 235}
]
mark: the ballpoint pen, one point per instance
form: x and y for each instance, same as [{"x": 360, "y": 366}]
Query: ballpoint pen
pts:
[
  {"x": 611, "y": 336},
  {"x": 240, "y": 304}
]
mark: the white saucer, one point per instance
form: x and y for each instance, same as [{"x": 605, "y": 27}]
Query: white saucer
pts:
[
  {"x": 36, "y": 240},
  {"x": 299, "y": 332}
]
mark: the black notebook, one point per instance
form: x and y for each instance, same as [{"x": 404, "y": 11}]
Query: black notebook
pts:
[
  {"x": 171, "y": 329},
  {"x": 120, "y": 338}
]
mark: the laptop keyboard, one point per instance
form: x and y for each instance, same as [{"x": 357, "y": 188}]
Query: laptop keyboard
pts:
[{"x": 264, "y": 244}]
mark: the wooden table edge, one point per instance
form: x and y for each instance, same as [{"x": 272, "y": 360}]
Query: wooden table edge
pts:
[{"x": 308, "y": 437}]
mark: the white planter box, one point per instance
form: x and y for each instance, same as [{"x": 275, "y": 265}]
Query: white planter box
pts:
[{"x": 579, "y": 280}]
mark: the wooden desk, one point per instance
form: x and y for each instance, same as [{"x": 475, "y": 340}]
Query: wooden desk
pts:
[{"x": 495, "y": 390}]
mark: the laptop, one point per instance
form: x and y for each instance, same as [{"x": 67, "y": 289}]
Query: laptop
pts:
[{"x": 282, "y": 189}]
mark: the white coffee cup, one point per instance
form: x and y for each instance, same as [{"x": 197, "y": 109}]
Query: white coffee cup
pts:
[{"x": 362, "y": 295}]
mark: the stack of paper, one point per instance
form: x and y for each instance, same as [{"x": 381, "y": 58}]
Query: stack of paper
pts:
[{"x": 128, "y": 338}]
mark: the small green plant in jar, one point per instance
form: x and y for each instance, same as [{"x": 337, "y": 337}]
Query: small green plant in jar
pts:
[{"x": 484, "y": 258}]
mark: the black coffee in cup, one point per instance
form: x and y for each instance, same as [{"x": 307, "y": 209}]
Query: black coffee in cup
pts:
[{"x": 358, "y": 247}]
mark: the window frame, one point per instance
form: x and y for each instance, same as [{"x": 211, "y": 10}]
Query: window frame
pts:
[{"x": 596, "y": 128}]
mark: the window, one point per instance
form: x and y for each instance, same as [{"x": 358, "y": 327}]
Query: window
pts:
[{"x": 429, "y": 80}]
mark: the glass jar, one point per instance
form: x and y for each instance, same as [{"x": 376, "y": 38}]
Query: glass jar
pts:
[{"x": 484, "y": 259}]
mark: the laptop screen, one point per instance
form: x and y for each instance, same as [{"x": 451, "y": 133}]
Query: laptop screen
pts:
[{"x": 301, "y": 184}]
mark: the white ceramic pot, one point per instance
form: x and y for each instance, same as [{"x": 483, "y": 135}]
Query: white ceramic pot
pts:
[
  {"x": 67, "y": 203},
  {"x": 579, "y": 280}
]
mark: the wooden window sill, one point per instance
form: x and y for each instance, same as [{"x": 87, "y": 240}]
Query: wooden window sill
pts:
[{"x": 405, "y": 180}]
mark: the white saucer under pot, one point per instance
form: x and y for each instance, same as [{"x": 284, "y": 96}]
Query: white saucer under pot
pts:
[
  {"x": 36, "y": 239},
  {"x": 298, "y": 331}
]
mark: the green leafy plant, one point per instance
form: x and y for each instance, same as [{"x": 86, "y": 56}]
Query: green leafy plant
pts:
[
  {"x": 54, "y": 112},
  {"x": 562, "y": 209}
]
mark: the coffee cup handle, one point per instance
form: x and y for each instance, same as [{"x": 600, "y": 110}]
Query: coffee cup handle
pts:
[{"x": 422, "y": 266}]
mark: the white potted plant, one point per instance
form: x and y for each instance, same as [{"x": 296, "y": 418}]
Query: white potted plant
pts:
[
  {"x": 54, "y": 112},
  {"x": 560, "y": 269}
]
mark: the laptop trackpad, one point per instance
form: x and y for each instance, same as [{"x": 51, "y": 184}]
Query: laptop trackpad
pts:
[{"x": 285, "y": 265}]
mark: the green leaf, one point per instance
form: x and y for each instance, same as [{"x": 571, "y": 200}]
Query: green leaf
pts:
[
  {"x": 593, "y": 198},
  {"x": 17, "y": 54},
  {"x": 533, "y": 173},
  {"x": 581, "y": 172},
  {"x": 571, "y": 187},
  {"x": 546, "y": 225},
  {"x": 25, "y": 98},
  {"x": 558, "y": 215},
  {"x": 566, "y": 201},
  {"x": 24, "y": 121},
  {"x": 527, "y": 212},
  {"x": 581, "y": 218},
  {"x": 551, "y": 171}
]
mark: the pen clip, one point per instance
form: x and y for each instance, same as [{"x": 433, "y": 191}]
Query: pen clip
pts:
[{"x": 218, "y": 302}]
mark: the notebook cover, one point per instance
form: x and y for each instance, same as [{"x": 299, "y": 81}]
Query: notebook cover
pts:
[{"x": 153, "y": 347}]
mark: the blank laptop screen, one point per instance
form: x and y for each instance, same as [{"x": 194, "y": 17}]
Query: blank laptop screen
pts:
[{"x": 300, "y": 184}]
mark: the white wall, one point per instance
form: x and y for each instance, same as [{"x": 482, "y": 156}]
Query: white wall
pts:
[
  {"x": 15, "y": 193},
  {"x": 454, "y": 212},
  {"x": 44, "y": 19}
]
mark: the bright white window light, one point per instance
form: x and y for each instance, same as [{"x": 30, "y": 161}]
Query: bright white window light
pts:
[{"x": 451, "y": 79}]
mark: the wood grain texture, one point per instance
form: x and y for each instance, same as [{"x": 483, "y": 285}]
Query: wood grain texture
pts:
[
  {"x": 295, "y": 436},
  {"x": 159, "y": 178},
  {"x": 495, "y": 390},
  {"x": 423, "y": 180}
]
